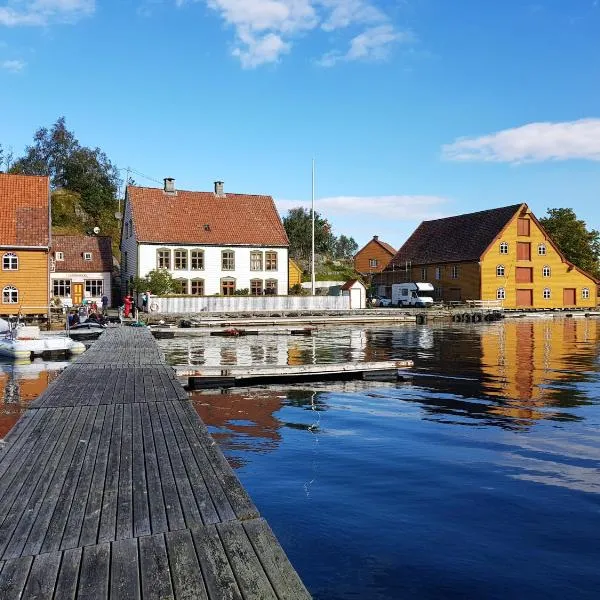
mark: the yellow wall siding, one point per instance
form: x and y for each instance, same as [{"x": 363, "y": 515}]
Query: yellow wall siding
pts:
[
  {"x": 295, "y": 273},
  {"x": 562, "y": 276},
  {"x": 31, "y": 279}
]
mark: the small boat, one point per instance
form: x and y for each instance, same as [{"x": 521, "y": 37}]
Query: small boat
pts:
[{"x": 22, "y": 342}]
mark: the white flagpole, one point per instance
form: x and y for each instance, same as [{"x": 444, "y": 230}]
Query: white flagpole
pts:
[{"x": 313, "y": 229}]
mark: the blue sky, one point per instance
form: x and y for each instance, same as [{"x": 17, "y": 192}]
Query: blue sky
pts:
[{"x": 413, "y": 109}]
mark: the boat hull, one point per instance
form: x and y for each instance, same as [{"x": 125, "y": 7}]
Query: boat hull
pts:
[{"x": 24, "y": 349}]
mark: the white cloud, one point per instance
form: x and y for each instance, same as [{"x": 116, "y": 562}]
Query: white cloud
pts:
[
  {"x": 44, "y": 12},
  {"x": 265, "y": 29},
  {"x": 535, "y": 142},
  {"x": 399, "y": 208},
  {"x": 373, "y": 44},
  {"x": 13, "y": 66}
]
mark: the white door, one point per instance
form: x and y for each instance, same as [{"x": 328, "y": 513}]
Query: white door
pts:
[{"x": 355, "y": 298}]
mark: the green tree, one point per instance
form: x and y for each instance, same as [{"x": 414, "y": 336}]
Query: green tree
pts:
[
  {"x": 158, "y": 282},
  {"x": 6, "y": 159},
  {"x": 298, "y": 226},
  {"x": 580, "y": 245},
  {"x": 345, "y": 247}
]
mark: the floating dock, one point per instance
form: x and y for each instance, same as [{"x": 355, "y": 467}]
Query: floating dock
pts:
[
  {"x": 209, "y": 377},
  {"x": 112, "y": 488}
]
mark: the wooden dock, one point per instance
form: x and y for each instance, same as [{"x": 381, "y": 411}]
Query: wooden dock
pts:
[
  {"x": 112, "y": 488},
  {"x": 198, "y": 377}
]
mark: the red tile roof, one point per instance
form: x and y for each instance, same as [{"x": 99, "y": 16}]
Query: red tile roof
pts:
[
  {"x": 73, "y": 248},
  {"x": 454, "y": 239},
  {"x": 205, "y": 219},
  {"x": 24, "y": 210}
]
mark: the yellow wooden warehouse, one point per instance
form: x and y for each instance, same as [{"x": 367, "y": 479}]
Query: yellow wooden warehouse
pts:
[{"x": 500, "y": 254}]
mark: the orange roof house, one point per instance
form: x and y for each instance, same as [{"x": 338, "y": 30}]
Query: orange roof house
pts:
[
  {"x": 211, "y": 242},
  {"x": 373, "y": 257},
  {"x": 24, "y": 244}
]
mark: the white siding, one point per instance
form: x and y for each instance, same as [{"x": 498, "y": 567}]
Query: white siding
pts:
[
  {"x": 129, "y": 246},
  {"x": 81, "y": 278},
  {"x": 212, "y": 272}
]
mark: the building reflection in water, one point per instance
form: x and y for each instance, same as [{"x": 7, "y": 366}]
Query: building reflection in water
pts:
[{"x": 20, "y": 384}]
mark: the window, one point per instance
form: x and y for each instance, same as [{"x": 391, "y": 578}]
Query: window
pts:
[
  {"x": 500, "y": 271},
  {"x": 546, "y": 293},
  {"x": 94, "y": 287},
  {"x": 542, "y": 249},
  {"x": 404, "y": 291},
  {"x": 424, "y": 273},
  {"x": 373, "y": 263},
  {"x": 500, "y": 294},
  {"x": 180, "y": 286},
  {"x": 180, "y": 260},
  {"x": 126, "y": 229},
  {"x": 10, "y": 262},
  {"x": 59, "y": 256},
  {"x": 546, "y": 271},
  {"x": 163, "y": 259},
  {"x": 503, "y": 248},
  {"x": 61, "y": 287},
  {"x": 197, "y": 260},
  {"x": 130, "y": 228},
  {"x": 228, "y": 286},
  {"x": 256, "y": 287},
  {"x": 87, "y": 256},
  {"x": 585, "y": 293},
  {"x": 270, "y": 261},
  {"x": 10, "y": 295},
  {"x": 256, "y": 261},
  {"x": 125, "y": 262},
  {"x": 271, "y": 287},
  {"x": 523, "y": 227},
  {"x": 438, "y": 272},
  {"x": 197, "y": 287},
  {"x": 454, "y": 272},
  {"x": 227, "y": 260}
]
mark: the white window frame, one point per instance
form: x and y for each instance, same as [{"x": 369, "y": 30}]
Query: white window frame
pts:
[
  {"x": 87, "y": 256},
  {"x": 65, "y": 284},
  {"x": 373, "y": 262},
  {"x": 503, "y": 247},
  {"x": 179, "y": 281},
  {"x": 181, "y": 257},
  {"x": 227, "y": 262},
  {"x": 501, "y": 294},
  {"x": 500, "y": 271},
  {"x": 10, "y": 295},
  {"x": 198, "y": 256},
  {"x": 547, "y": 294},
  {"x": 271, "y": 284},
  {"x": 542, "y": 250},
  {"x": 10, "y": 262},
  {"x": 59, "y": 256},
  {"x": 585, "y": 293},
  {"x": 168, "y": 258},
  {"x": 197, "y": 280},
  {"x": 95, "y": 287},
  {"x": 270, "y": 256},
  {"x": 454, "y": 271},
  {"x": 262, "y": 287},
  {"x": 438, "y": 273},
  {"x": 546, "y": 271},
  {"x": 256, "y": 260}
]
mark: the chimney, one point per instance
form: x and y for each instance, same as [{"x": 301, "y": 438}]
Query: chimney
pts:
[
  {"x": 169, "y": 185},
  {"x": 219, "y": 189},
  {"x": 375, "y": 237}
]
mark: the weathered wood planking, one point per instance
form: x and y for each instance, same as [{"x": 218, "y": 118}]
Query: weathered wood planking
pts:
[{"x": 112, "y": 487}]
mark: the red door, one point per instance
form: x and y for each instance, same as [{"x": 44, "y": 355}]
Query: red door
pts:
[
  {"x": 523, "y": 251},
  {"x": 524, "y": 274},
  {"x": 569, "y": 297},
  {"x": 524, "y": 298}
]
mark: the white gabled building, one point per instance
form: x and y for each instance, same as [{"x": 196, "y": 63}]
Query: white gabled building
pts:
[{"x": 210, "y": 242}]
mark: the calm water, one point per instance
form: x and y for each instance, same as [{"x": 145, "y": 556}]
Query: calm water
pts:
[
  {"x": 480, "y": 478},
  {"x": 483, "y": 482}
]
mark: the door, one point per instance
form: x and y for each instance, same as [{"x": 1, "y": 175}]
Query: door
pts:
[
  {"x": 524, "y": 275},
  {"x": 523, "y": 251},
  {"x": 77, "y": 293},
  {"x": 569, "y": 297},
  {"x": 355, "y": 298},
  {"x": 524, "y": 298}
]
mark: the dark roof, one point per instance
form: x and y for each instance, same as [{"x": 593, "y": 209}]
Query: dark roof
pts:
[
  {"x": 454, "y": 239},
  {"x": 204, "y": 218},
  {"x": 73, "y": 248},
  {"x": 24, "y": 210}
]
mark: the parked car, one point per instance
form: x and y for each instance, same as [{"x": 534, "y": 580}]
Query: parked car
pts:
[{"x": 382, "y": 301}]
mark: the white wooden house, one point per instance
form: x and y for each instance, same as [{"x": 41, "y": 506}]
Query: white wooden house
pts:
[
  {"x": 211, "y": 242},
  {"x": 80, "y": 267}
]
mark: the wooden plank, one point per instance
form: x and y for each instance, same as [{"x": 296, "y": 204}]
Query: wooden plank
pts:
[
  {"x": 154, "y": 569},
  {"x": 185, "y": 569},
  {"x": 158, "y": 513},
  {"x": 73, "y": 496},
  {"x": 42, "y": 577},
  {"x": 283, "y": 577},
  {"x": 216, "y": 570},
  {"x": 124, "y": 571},
  {"x": 108, "y": 516},
  {"x": 93, "y": 576},
  {"x": 125, "y": 489},
  {"x": 167, "y": 480},
  {"x": 86, "y": 533},
  {"x": 248, "y": 571},
  {"x": 141, "y": 511},
  {"x": 149, "y": 394},
  {"x": 68, "y": 576},
  {"x": 32, "y": 422},
  {"x": 13, "y": 577}
]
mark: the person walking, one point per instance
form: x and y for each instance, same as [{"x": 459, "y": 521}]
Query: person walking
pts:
[
  {"x": 145, "y": 301},
  {"x": 104, "y": 305}
]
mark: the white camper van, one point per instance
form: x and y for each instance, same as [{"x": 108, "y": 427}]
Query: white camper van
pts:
[{"x": 412, "y": 294}]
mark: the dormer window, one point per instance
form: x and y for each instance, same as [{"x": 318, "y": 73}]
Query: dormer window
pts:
[
  {"x": 87, "y": 256},
  {"x": 59, "y": 256}
]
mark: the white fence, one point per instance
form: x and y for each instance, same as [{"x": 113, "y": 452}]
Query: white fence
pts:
[{"x": 218, "y": 304}]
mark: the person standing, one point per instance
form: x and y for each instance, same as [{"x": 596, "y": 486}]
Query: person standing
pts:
[
  {"x": 145, "y": 301},
  {"x": 127, "y": 306},
  {"x": 104, "y": 305}
]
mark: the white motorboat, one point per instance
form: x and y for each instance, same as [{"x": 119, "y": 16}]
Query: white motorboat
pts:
[{"x": 24, "y": 342}]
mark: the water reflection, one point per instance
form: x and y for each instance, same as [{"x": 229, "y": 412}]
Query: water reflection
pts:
[{"x": 20, "y": 384}]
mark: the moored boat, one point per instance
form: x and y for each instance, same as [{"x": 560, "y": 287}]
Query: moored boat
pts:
[{"x": 24, "y": 342}]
